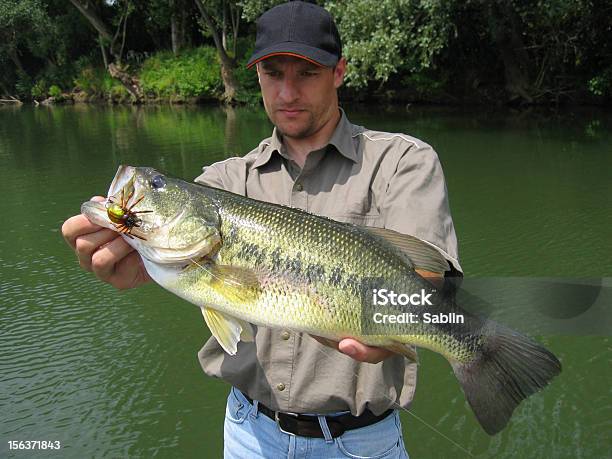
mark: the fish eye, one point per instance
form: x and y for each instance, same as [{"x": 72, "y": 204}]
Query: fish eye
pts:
[{"x": 158, "y": 182}]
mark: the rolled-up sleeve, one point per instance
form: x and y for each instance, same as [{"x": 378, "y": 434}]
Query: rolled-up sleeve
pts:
[{"x": 416, "y": 201}]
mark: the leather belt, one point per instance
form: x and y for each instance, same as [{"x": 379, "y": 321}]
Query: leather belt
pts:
[{"x": 306, "y": 425}]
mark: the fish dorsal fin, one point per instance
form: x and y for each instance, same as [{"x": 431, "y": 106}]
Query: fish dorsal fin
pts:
[
  {"x": 227, "y": 329},
  {"x": 424, "y": 256}
]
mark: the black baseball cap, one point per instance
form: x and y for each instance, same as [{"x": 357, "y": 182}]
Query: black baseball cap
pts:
[{"x": 297, "y": 29}]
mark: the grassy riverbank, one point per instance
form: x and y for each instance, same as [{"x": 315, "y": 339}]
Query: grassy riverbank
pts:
[{"x": 192, "y": 77}]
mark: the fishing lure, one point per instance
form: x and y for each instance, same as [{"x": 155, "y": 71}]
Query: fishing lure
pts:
[{"x": 123, "y": 217}]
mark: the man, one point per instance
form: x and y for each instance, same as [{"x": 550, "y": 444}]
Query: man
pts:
[{"x": 316, "y": 160}]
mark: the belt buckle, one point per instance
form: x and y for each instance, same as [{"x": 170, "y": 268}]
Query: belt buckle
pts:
[{"x": 278, "y": 422}]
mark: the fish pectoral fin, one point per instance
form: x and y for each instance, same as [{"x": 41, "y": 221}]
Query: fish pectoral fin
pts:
[
  {"x": 227, "y": 329},
  {"x": 238, "y": 285},
  {"x": 406, "y": 350},
  {"x": 422, "y": 254}
]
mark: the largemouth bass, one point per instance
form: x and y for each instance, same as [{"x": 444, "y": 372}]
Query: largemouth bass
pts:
[{"x": 249, "y": 262}]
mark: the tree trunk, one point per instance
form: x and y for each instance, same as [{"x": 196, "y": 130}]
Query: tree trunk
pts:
[
  {"x": 128, "y": 81},
  {"x": 224, "y": 25},
  {"x": 15, "y": 58},
  {"x": 177, "y": 25},
  {"x": 503, "y": 28},
  {"x": 174, "y": 32},
  {"x": 235, "y": 16},
  {"x": 227, "y": 63},
  {"x": 87, "y": 10},
  {"x": 229, "y": 81},
  {"x": 185, "y": 37},
  {"x": 12, "y": 101},
  {"x": 4, "y": 90},
  {"x": 103, "y": 49}
]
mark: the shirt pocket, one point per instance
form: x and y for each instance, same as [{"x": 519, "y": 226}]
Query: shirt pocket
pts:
[{"x": 356, "y": 205}]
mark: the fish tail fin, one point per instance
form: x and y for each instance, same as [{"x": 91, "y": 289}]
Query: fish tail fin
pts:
[{"x": 509, "y": 368}]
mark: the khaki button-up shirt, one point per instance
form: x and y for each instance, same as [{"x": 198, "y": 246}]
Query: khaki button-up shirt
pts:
[{"x": 363, "y": 177}]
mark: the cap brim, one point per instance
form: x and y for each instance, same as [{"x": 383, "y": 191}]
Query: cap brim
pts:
[{"x": 315, "y": 55}]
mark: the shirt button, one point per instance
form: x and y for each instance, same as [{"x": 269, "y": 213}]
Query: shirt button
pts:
[
  {"x": 299, "y": 186},
  {"x": 285, "y": 335},
  {"x": 280, "y": 386}
]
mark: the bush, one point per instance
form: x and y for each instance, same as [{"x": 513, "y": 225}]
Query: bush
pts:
[
  {"x": 248, "y": 91},
  {"x": 55, "y": 91},
  {"x": 601, "y": 85},
  {"x": 23, "y": 86},
  {"x": 39, "y": 89},
  {"x": 194, "y": 73},
  {"x": 96, "y": 82}
]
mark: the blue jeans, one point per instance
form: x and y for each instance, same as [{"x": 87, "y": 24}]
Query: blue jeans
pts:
[{"x": 249, "y": 434}]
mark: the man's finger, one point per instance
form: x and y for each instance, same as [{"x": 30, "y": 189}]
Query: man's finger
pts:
[
  {"x": 362, "y": 352},
  {"x": 129, "y": 272},
  {"x": 77, "y": 226},
  {"x": 103, "y": 261},
  {"x": 87, "y": 244}
]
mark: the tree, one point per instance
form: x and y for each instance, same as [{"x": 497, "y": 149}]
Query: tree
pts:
[
  {"x": 92, "y": 11},
  {"x": 24, "y": 26},
  {"x": 215, "y": 14},
  {"x": 394, "y": 35},
  {"x": 168, "y": 16}
]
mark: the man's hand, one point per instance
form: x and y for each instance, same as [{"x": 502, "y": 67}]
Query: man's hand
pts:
[
  {"x": 357, "y": 350},
  {"x": 104, "y": 252}
]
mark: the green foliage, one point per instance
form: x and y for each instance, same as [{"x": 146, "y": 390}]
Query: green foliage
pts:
[
  {"x": 23, "y": 85},
  {"x": 601, "y": 85},
  {"x": 39, "y": 89},
  {"x": 24, "y": 23},
  {"x": 425, "y": 87},
  {"x": 55, "y": 91},
  {"x": 565, "y": 41},
  {"x": 394, "y": 34},
  {"x": 248, "y": 92},
  {"x": 252, "y": 9},
  {"x": 97, "y": 83},
  {"x": 436, "y": 50},
  {"x": 194, "y": 73}
]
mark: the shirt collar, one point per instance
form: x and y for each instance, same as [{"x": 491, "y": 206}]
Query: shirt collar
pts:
[{"x": 341, "y": 139}]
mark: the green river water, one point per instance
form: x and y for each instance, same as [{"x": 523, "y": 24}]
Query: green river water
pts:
[{"x": 115, "y": 374}]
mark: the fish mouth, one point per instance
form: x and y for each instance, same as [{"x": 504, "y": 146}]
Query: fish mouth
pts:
[
  {"x": 96, "y": 213},
  {"x": 122, "y": 192},
  {"x": 123, "y": 175},
  {"x": 123, "y": 182}
]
